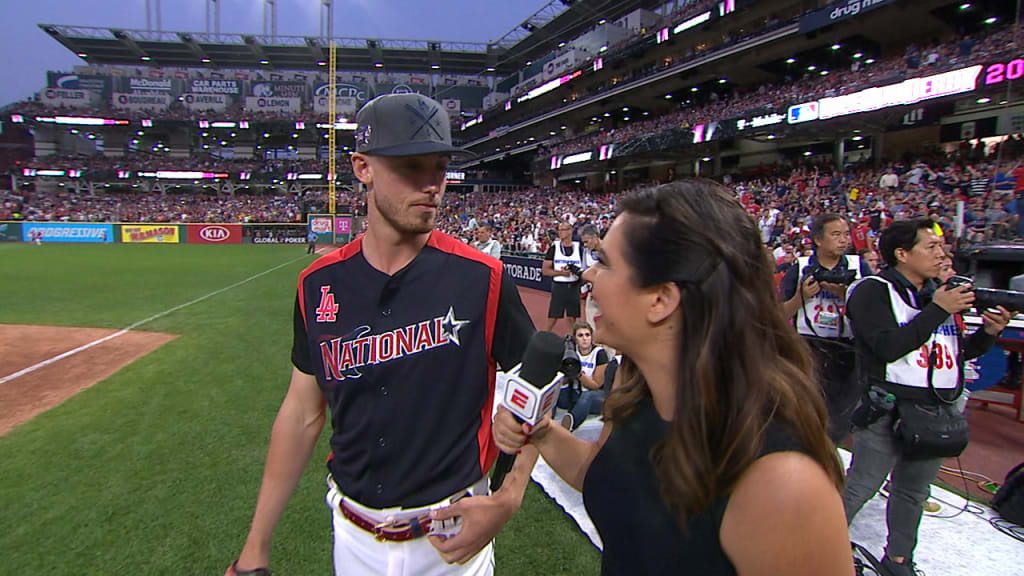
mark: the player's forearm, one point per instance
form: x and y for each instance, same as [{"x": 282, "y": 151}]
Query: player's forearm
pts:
[
  {"x": 567, "y": 455},
  {"x": 291, "y": 443},
  {"x": 514, "y": 485}
]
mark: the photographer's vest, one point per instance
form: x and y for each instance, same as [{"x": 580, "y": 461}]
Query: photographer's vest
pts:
[
  {"x": 822, "y": 314},
  {"x": 561, "y": 260},
  {"x": 942, "y": 350}
]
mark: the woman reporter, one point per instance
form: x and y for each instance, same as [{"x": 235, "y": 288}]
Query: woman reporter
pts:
[{"x": 713, "y": 458}]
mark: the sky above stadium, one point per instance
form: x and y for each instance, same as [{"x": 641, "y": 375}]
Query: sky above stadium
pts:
[{"x": 30, "y": 52}]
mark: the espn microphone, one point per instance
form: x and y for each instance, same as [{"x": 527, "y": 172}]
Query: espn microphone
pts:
[{"x": 531, "y": 390}]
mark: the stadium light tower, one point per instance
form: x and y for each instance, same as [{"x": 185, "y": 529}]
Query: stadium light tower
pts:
[
  {"x": 327, "y": 19},
  {"x": 150, "y": 5},
  {"x": 213, "y": 6},
  {"x": 270, "y": 13}
]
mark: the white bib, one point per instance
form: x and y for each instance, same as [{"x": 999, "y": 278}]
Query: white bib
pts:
[
  {"x": 824, "y": 311},
  {"x": 561, "y": 261},
  {"x": 912, "y": 369}
]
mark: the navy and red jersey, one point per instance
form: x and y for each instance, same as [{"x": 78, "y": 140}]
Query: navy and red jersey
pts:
[{"x": 407, "y": 365}]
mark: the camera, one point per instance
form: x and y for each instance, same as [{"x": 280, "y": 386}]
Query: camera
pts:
[
  {"x": 839, "y": 275},
  {"x": 572, "y": 267},
  {"x": 985, "y": 298},
  {"x": 571, "y": 366}
]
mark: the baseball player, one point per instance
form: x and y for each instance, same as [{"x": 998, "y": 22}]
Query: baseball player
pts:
[{"x": 399, "y": 333}]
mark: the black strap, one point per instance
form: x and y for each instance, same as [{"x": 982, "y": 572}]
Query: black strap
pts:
[{"x": 959, "y": 367}]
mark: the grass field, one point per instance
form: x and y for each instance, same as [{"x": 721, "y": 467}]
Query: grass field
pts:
[{"x": 155, "y": 470}]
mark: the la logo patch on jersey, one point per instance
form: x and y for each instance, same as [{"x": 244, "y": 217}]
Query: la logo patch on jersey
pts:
[{"x": 327, "y": 311}]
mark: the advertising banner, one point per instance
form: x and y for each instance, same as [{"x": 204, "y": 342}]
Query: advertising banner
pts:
[
  {"x": 452, "y": 106},
  {"x": 92, "y": 82},
  {"x": 268, "y": 238},
  {"x": 139, "y": 102},
  {"x": 344, "y": 105},
  {"x": 559, "y": 66},
  {"x": 214, "y": 233},
  {"x": 137, "y": 233},
  {"x": 261, "y": 104},
  {"x": 203, "y": 102},
  {"x": 357, "y": 90},
  {"x": 837, "y": 12},
  {"x": 229, "y": 87},
  {"x": 10, "y": 231},
  {"x": 402, "y": 89},
  {"x": 68, "y": 98},
  {"x": 526, "y": 272},
  {"x": 148, "y": 85},
  {"x": 342, "y": 229},
  {"x": 279, "y": 89},
  {"x": 68, "y": 232}
]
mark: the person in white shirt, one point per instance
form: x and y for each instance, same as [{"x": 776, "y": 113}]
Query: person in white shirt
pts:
[
  {"x": 578, "y": 396},
  {"x": 485, "y": 242},
  {"x": 889, "y": 179}
]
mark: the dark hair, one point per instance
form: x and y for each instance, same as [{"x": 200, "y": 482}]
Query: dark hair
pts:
[
  {"x": 864, "y": 251},
  {"x": 900, "y": 234},
  {"x": 819, "y": 223},
  {"x": 741, "y": 364},
  {"x": 589, "y": 230},
  {"x": 486, "y": 225}
]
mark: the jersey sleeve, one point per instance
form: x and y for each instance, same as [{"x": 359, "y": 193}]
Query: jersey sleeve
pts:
[
  {"x": 790, "y": 281},
  {"x": 513, "y": 327},
  {"x": 300, "y": 343},
  {"x": 602, "y": 357}
]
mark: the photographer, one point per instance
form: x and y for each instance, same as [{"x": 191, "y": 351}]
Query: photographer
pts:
[
  {"x": 563, "y": 262},
  {"x": 578, "y": 394},
  {"x": 592, "y": 246},
  {"x": 814, "y": 291},
  {"x": 913, "y": 354}
]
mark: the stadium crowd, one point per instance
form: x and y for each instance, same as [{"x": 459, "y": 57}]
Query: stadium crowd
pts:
[
  {"x": 782, "y": 198},
  {"x": 806, "y": 86},
  {"x": 203, "y": 162}
]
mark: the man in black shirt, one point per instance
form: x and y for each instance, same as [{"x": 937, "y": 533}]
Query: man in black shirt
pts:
[
  {"x": 399, "y": 334},
  {"x": 908, "y": 344}
]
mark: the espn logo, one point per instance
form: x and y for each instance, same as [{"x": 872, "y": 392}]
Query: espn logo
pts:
[{"x": 519, "y": 399}]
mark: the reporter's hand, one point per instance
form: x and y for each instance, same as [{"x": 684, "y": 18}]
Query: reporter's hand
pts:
[
  {"x": 810, "y": 287},
  {"x": 511, "y": 435},
  {"x": 954, "y": 300},
  {"x": 994, "y": 322}
]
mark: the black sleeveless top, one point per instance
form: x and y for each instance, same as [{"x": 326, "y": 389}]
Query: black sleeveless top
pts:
[{"x": 640, "y": 533}]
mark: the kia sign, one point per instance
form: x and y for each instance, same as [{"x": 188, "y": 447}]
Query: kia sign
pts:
[
  {"x": 214, "y": 234},
  {"x": 837, "y": 12}
]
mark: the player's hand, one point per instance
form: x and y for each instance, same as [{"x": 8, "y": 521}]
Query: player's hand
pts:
[
  {"x": 837, "y": 290},
  {"x": 810, "y": 287},
  {"x": 482, "y": 519},
  {"x": 954, "y": 300},
  {"x": 995, "y": 321}
]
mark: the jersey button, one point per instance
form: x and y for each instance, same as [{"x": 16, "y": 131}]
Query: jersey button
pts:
[
  {"x": 382, "y": 442},
  {"x": 385, "y": 312},
  {"x": 384, "y": 391},
  {"x": 380, "y": 488}
]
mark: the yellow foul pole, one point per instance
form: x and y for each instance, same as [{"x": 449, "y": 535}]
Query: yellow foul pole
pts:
[{"x": 332, "y": 136}]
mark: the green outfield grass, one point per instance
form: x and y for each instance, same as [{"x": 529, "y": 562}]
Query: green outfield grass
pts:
[{"x": 155, "y": 470}]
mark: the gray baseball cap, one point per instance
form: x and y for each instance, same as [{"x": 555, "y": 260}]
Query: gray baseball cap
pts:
[{"x": 404, "y": 125}]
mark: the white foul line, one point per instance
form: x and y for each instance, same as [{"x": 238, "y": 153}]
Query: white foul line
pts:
[{"x": 126, "y": 329}]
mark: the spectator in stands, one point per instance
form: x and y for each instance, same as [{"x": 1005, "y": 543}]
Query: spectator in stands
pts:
[{"x": 485, "y": 242}]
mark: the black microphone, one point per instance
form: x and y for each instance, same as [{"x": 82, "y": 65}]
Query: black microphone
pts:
[{"x": 531, "y": 390}]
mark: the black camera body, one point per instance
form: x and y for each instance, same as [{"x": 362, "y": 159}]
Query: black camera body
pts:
[
  {"x": 839, "y": 275},
  {"x": 985, "y": 298},
  {"x": 572, "y": 267},
  {"x": 571, "y": 366}
]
